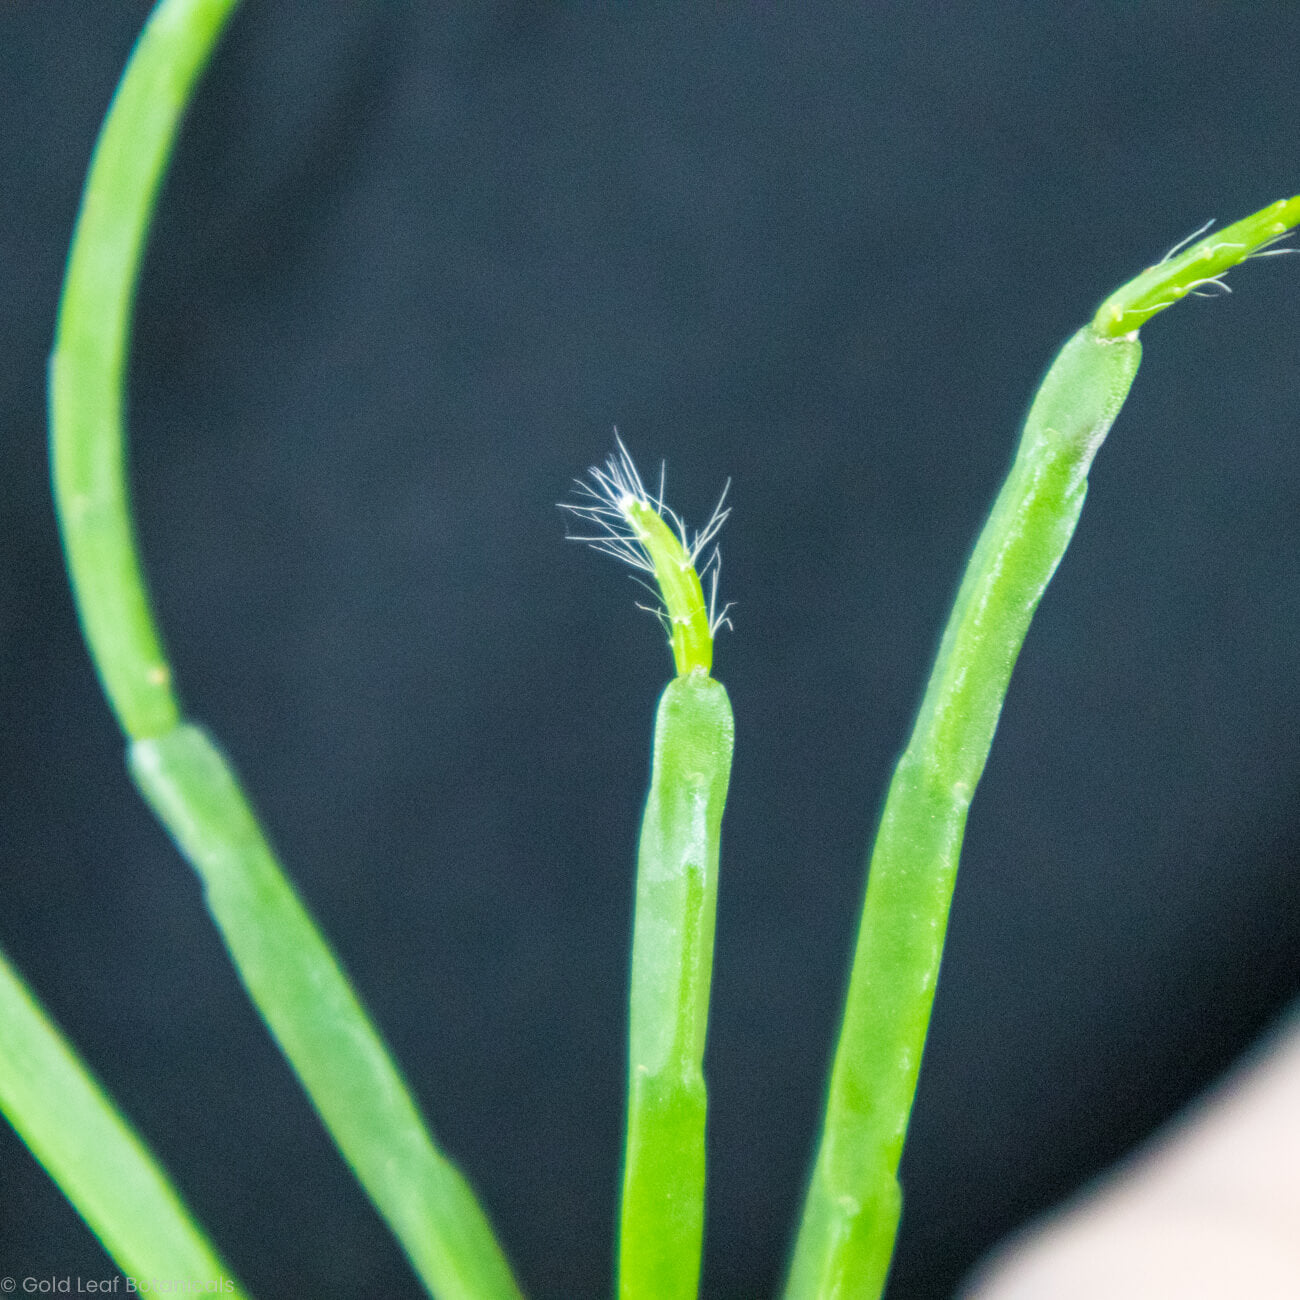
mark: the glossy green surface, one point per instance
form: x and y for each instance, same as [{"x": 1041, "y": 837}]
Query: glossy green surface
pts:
[
  {"x": 91, "y": 346},
  {"x": 662, "y": 1221},
  {"x": 291, "y": 974},
  {"x": 853, "y": 1204},
  {"x": 73, "y": 1128},
  {"x": 321, "y": 1026}
]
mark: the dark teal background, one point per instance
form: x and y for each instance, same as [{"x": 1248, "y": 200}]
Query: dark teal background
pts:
[{"x": 413, "y": 264}]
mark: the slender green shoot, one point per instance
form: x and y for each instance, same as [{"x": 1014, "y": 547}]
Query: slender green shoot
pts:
[
  {"x": 1198, "y": 269},
  {"x": 73, "y": 1128},
  {"x": 641, "y": 530},
  {"x": 661, "y": 1229},
  {"x": 318, "y": 1020},
  {"x": 851, "y": 1213},
  {"x": 295, "y": 980},
  {"x": 92, "y": 344}
]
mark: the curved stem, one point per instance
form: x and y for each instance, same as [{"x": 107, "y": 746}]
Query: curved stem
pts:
[
  {"x": 295, "y": 980},
  {"x": 91, "y": 346}
]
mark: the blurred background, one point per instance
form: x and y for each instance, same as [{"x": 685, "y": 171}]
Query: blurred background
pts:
[{"x": 412, "y": 266}]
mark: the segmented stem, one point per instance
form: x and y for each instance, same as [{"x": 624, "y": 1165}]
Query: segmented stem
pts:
[
  {"x": 662, "y": 1219},
  {"x": 661, "y": 1229},
  {"x": 852, "y": 1208},
  {"x": 296, "y": 981}
]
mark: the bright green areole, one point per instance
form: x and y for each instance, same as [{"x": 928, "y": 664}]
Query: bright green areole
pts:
[{"x": 851, "y": 1212}]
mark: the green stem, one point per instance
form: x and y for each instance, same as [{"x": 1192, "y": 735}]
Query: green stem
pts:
[
  {"x": 686, "y": 611},
  {"x": 91, "y": 346},
  {"x": 316, "y": 1017},
  {"x": 112, "y": 1179},
  {"x": 661, "y": 1233},
  {"x": 289, "y": 970},
  {"x": 662, "y": 1227},
  {"x": 851, "y": 1213}
]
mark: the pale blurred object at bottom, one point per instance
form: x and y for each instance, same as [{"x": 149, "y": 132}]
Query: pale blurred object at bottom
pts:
[{"x": 1210, "y": 1207}]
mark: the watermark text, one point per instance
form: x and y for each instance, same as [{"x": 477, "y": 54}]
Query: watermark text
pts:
[{"x": 121, "y": 1284}]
